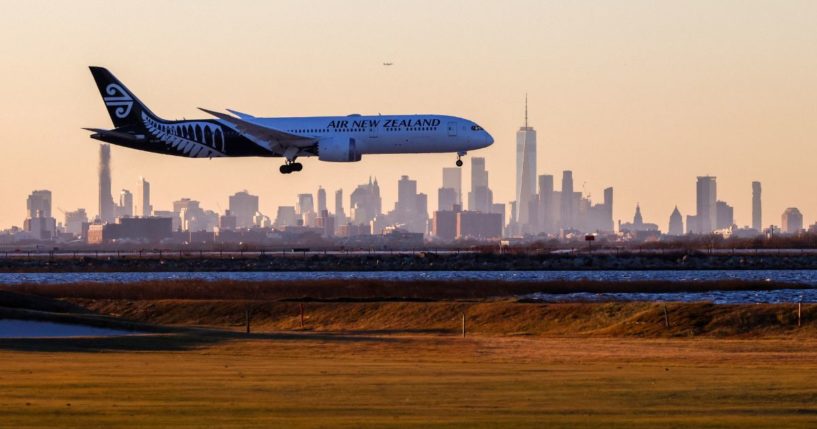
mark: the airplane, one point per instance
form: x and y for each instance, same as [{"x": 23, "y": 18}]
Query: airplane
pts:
[
  {"x": 329, "y": 138},
  {"x": 388, "y": 63}
]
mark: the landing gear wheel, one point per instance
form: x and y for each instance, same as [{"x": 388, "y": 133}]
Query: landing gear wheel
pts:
[
  {"x": 285, "y": 169},
  {"x": 459, "y": 163},
  {"x": 296, "y": 166}
]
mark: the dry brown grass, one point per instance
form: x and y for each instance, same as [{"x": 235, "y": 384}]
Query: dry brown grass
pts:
[
  {"x": 396, "y": 363},
  {"x": 614, "y": 319},
  {"x": 419, "y": 381}
]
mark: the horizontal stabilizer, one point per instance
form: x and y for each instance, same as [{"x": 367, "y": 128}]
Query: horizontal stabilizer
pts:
[{"x": 115, "y": 134}]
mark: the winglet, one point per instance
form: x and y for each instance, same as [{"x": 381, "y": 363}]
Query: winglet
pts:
[
  {"x": 240, "y": 114},
  {"x": 219, "y": 115}
]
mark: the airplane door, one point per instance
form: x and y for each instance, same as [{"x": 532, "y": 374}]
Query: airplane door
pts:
[
  {"x": 372, "y": 132},
  {"x": 452, "y": 129}
]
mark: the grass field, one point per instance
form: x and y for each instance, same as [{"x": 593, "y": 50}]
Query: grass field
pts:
[
  {"x": 390, "y": 356},
  {"x": 324, "y": 380}
]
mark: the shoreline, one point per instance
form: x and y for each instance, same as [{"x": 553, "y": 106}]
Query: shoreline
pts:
[
  {"x": 376, "y": 290},
  {"x": 677, "y": 261}
]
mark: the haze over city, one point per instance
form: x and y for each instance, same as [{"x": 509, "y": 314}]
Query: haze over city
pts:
[{"x": 640, "y": 96}]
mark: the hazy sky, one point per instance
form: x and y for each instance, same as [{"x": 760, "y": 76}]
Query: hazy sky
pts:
[{"x": 639, "y": 95}]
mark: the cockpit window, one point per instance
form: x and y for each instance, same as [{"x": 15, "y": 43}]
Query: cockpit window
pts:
[{"x": 476, "y": 127}]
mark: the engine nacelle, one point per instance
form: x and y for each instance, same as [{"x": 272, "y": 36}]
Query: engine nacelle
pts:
[{"x": 338, "y": 150}]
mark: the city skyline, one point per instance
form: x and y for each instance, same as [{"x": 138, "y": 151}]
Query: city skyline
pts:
[
  {"x": 711, "y": 213},
  {"x": 732, "y": 103},
  {"x": 561, "y": 214}
]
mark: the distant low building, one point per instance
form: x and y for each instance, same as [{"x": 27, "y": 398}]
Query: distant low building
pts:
[
  {"x": 142, "y": 230},
  {"x": 735, "y": 232},
  {"x": 396, "y": 238},
  {"x": 352, "y": 230},
  {"x": 478, "y": 225},
  {"x": 228, "y": 221},
  {"x": 444, "y": 225}
]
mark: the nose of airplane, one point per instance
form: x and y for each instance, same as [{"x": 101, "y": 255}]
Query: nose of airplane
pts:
[{"x": 487, "y": 140}]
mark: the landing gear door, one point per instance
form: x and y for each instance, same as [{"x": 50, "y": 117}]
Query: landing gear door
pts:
[{"x": 452, "y": 129}]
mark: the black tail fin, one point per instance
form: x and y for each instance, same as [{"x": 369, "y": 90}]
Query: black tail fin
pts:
[{"x": 125, "y": 109}]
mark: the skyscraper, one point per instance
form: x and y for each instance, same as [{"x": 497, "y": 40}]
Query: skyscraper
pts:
[
  {"x": 285, "y": 217},
  {"x": 706, "y": 207},
  {"x": 74, "y": 221},
  {"x": 145, "y": 208},
  {"x": 306, "y": 204},
  {"x": 321, "y": 199},
  {"x": 724, "y": 215},
  {"x": 568, "y": 215},
  {"x": 676, "y": 223},
  {"x": 525, "y": 171},
  {"x": 411, "y": 208},
  {"x": 244, "y": 206},
  {"x": 125, "y": 207},
  {"x": 452, "y": 178},
  {"x": 38, "y": 204},
  {"x": 106, "y": 205},
  {"x": 547, "y": 216},
  {"x": 607, "y": 223},
  {"x": 446, "y": 199},
  {"x": 39, "y": 221},
  {"x": 757, "y": 213},
  {"x": 406, "y": 195},
  {"x": 792, "y": 221},
  {"x": 637, "y": 225},
  {"x": 480, "y": 198},
  {"x": 365, "y": 203},
  {"x": 340, "y": 214}
]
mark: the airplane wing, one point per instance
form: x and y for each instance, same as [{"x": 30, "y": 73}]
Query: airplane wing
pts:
[
  {"x": 266, "y": 137},
  {"x": 241, "y": 115}
]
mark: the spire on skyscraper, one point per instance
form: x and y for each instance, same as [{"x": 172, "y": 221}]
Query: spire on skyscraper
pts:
[{"x": 526, "y": 110}]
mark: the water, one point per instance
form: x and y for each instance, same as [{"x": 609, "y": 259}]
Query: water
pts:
[
  {"x": 807, "y": 277},
  {"x": 12, "y": 328},
  {"x": 780, "y": 296}
]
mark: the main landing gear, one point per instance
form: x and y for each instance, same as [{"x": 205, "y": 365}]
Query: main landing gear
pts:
[
  {"x": 291, "y": 167},
  {"x": 459, "y": 161}
]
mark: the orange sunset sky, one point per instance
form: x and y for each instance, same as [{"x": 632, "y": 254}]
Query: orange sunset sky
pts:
[{"x": 639, "y": 95}]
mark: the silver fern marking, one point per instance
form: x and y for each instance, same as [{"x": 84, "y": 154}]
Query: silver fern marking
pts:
[{"x": 176, "y": 136}]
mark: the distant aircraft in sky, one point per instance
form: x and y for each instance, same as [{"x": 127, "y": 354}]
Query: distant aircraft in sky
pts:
[
  {"x": 388, "y": 64},
  {"x": 330, "y": 138}
]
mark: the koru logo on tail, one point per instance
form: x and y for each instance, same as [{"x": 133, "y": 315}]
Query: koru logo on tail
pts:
[{"x": 117, "y": 97}]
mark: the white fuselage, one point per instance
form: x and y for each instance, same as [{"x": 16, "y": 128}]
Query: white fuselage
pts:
[{"x": 383, "y": 134}]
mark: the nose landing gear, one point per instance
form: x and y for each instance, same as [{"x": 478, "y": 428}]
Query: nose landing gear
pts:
[{"x": 459, "y": 161}]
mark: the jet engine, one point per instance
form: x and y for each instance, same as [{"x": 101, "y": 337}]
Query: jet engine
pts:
[{"x": 338, "y": 150}]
